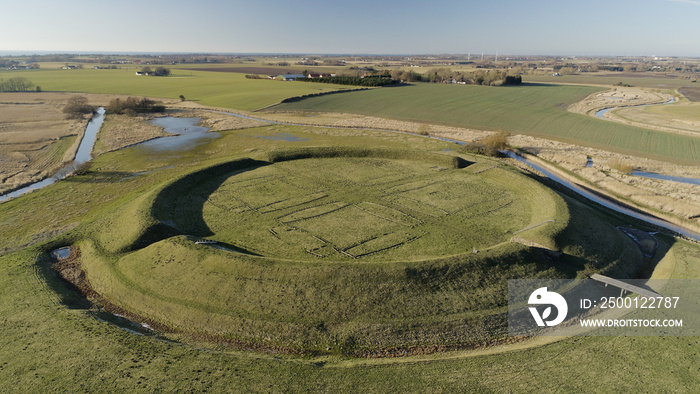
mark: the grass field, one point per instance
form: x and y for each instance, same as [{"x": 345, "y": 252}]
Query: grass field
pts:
[
  {"x": 57, "y": 344},
  {"x": 689, "y": 112},
  {"x": 679, "y": 117},
  {"x": 228, "y": 90},
  {"x": 340, "y": 208},
  {"x": 528, "y": 109}
]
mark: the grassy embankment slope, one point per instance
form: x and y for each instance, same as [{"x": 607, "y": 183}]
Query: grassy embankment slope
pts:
[
  {"x": 217, "y": 89},
  {"x": 534, "y": 110},
  {"x": 52, "y": 347}
]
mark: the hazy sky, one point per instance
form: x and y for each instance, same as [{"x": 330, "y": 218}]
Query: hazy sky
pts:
[{"x": 565, "y": 27}]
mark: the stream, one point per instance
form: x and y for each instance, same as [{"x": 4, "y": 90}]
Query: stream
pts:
[
  {"x": 601, "y": 113},
  {"x": 653, "y": 175},
  {"x": 81, "y": 156},
  {"x": 694, "y": 181},
  {"x": 610, "y": 204}
]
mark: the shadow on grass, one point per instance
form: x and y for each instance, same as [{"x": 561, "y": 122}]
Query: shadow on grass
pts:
[
  {"x": 68, "y": 295},
  {"x": 181, "y": 204},
  {"x": 641, "y": 268}
]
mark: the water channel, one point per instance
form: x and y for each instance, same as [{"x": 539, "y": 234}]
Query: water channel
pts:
[
  {"x": 653, "y": 175},
  {"x": 606, "y": 202},
  {"x": 601, "y": 113},
  {"x": 81, "y": 156}
]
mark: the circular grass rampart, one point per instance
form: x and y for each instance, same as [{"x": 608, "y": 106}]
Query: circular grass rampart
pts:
[{"x": 335, "y": 250}]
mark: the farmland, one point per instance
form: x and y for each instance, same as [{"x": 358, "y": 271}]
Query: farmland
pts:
[
  {"x": 646, "y": 80},
  {"x": 533, "y": 110},
  {"x": 217, "y": 89},
  {"x": 692, "y": 93}
]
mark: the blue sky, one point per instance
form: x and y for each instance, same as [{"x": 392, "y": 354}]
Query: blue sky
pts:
[{"x": 540, "y": 27}]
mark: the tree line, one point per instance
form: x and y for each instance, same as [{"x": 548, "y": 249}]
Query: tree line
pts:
[
  {"x": 446, "y": 75},
  {"x": 369, "y": 80}
]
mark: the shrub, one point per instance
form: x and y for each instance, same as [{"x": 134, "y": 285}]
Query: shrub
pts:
[
  {"x": 495, "y": 142},
  {"x": 617, "y": 164},
  {"x": 424, "y": 129},
  {"x": 489, "y": 146},
  {"x": 78, "y": 106},
  {"x": 132, "y": 106}
]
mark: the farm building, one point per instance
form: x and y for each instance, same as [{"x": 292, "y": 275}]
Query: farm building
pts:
[{"x": 290, "y": 77}]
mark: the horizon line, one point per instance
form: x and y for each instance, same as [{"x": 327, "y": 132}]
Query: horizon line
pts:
[{"x": 223, "y": 53}]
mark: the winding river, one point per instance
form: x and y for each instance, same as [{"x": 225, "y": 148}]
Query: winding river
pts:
[{"x": 601, "y": 113}]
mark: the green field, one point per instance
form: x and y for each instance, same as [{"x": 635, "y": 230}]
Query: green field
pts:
[
  {"x": 346, "y": 207},
  {"x": 56, "y": 342},
  {"x": 228, "y": 90},
  {"x": 538, "y": 110}
]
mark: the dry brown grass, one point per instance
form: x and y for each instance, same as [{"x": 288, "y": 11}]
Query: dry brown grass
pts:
[
  {"x": 119, "y": 131},
  {"x": 219, "y": 122},
  {"x": 618, "y": 97},
  {"x": 679, "y": 199},
  {"x": 35, "y": 137}
]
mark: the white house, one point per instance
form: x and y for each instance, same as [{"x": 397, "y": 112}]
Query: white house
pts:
[{"x": 290, "y": 77}]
